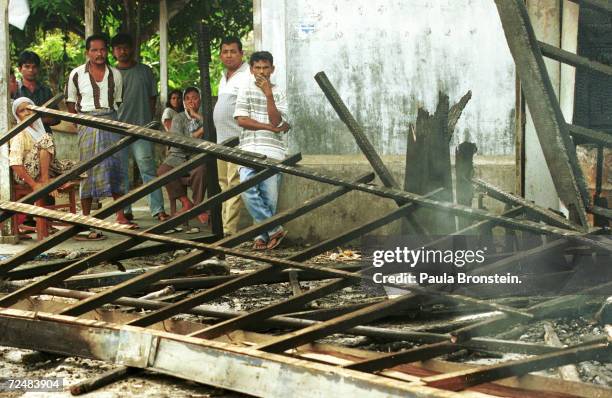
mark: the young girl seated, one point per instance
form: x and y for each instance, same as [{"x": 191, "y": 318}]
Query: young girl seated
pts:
[{"x": 174, "y": 106}]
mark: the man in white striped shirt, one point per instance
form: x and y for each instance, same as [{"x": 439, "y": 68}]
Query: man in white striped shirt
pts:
[{"x": 261, "y": 111}]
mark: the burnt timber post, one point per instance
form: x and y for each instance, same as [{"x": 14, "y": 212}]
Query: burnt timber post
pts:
[
  {"x": 428, "y": 164},
  {"x": 210, "y": 134},
  {"x": 363, "y": 142},
  {"x": 552, "y": 130},
  {"x": 464, "y": 172}
]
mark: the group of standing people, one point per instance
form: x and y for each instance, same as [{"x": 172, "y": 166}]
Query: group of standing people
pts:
[{"x": 249, "y": 106}]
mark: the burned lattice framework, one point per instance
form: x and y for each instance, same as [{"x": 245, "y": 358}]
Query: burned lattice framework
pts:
[{"x": 198, "y": 356}]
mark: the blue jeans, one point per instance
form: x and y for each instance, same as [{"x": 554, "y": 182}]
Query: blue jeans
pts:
[
  {"x": 142, "y": 150},
  {"x": 261, "y": 200}
]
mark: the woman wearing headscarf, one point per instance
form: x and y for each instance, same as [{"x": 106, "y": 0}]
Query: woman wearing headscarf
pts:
[{"x": 32, "y": 152}]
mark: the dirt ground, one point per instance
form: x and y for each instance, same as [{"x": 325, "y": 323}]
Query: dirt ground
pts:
[{"x": 73, "y": 370}]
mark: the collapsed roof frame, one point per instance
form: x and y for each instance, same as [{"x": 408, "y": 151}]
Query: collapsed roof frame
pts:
[{"x": 133, "y": 345}]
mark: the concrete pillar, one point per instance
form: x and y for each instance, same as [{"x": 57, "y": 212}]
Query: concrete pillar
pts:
[
  {"x": 257, "y": 23},
  {"x": 569, "y": 42},
  {"x": 273, "y": 36},
  {"x": 567, "y": 83},
  {"x": 163, "y": 52},
  {"x": 545, "y": 17},
  {"x": 90, "y": 6},
  {"x": 5, "y": 186}
]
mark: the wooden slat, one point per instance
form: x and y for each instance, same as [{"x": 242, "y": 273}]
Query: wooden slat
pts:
[
  {"x": 406, "y": 356},
  {"x": 338, "y": 324},
  {"x": 464, "y": 379},
  {"x": 253, "y": 160},
  {"x": 569, "y": 58},
  {"x": 164, "y": 272}
]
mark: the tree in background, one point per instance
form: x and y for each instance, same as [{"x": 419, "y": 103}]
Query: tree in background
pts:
[{"x": 55, "y": 30}]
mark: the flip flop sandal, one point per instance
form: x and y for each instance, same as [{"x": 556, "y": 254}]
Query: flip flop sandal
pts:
[
  {"x": 193, "y": 230},
  {"x": 128, "y": 225},
  {"x": 173, "y": 230},
  {"x": 162, "y": 217},
  {"x": 260, "y": 244},
  {"x": 276, "y": 239},
  {"x": 91, "y": 235}
]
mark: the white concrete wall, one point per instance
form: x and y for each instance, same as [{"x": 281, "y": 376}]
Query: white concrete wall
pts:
[{"x": 386, "y": 58}]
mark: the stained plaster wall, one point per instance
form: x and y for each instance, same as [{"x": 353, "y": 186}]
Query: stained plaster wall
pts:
[{"x": 386, "y": 58}]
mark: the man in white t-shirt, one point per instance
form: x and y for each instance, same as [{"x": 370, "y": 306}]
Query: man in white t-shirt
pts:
[{"x": 235, "y": 75}]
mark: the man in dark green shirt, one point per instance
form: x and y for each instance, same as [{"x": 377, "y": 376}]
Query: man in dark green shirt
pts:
[{"x": 29, "y": 86}]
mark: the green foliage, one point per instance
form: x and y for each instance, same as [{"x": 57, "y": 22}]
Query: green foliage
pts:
[
  {"x": 224, "y": 18},
  {"x": 55, "y": 30},
  {"x": 59, "y": 53},
  {"x": 48, "y": 15}
]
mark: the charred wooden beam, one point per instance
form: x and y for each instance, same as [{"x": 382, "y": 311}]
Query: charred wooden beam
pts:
[
  {"x": 572, "y": 59},
  {"x": 119, "y": 229},
  {"x": 464, "y": 172},
  {"x": 558, "y": 148},
  {"x": 461, "y": 380},
  {"x": 102, "y": 380},
  {"x": 455, "y": 111},
  {"x": 601, "y": 5},
  {"x": 136, "y": 194},
  {"x": 362, "y": 140},
  {"x": 428, "y": 164},
  {"x": 589, "y": 135},
  {"x": 252, "y": 160},
  {"x": 531, "y": 209},
  {"x": 601, "y": 211},
  {"x": 207, "y": 282},
  {"x": 126, "y": 244},
  {"x": 392, "y": 359},
  {"x": 309, "y": 334},
  {"x": 197, "y": 360},
  {"x": 187, "y": 261},
  {"x": 27, "y": 272},
  {"x": 547, "y": 309},
  {"x": 28, "y": 120}
]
